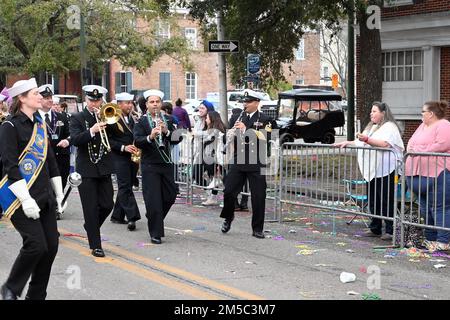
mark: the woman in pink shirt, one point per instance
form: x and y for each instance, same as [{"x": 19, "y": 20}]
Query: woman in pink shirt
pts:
[{"x": 429, "y": 176}]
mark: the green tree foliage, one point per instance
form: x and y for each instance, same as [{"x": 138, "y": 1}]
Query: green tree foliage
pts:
[
  {"x": 271, "y": 28},
  {"x": 41, "y": 35}
]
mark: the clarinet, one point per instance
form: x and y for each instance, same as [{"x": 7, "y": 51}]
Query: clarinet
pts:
[
  {"x": 231, "y": 133},
  {"x": 159, "y": 142}
]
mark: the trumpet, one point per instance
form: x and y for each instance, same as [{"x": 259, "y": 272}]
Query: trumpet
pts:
[{"x": 109, "y": 113}]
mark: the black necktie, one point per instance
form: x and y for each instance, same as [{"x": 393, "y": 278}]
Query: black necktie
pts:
[
  {"x": 47, "y": 120},
  {"x": 246, "y": 119}
]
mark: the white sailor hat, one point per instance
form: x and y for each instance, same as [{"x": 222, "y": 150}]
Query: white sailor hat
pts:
[
  {"x": 46, "y": 90},
  {"x": 22, "y": 86},
  {"x": 94, "y": 92},
  {"x": 251, "y": 95},
  {"x": 55, "y": 100},
  {"x": 124, "y": 96},
  {"x": 153, "y": 92},
  {"x": 2, "y": 97}
]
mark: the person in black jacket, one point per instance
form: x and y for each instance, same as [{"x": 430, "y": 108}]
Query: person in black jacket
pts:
[
  {"x": 94, "y": 164},
  {"x": 153, "y": 135},
  {"x": 122, "y": 144},
  {"x": 58, "y": 133},
  {"x": 32, "y": 181},
  {"x": 249, "y": 160}
]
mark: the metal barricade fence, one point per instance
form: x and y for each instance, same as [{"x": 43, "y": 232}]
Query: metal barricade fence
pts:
[
  {"x": 342, "y": 180},
  {"x": 427, "y": 179},
  {"x": 339, "y": 179},
  {"x": 192, "y": 175},
  {"x": 182, "y": 158}
]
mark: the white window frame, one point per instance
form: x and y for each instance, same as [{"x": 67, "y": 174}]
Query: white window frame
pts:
[
  {"x": 191, "y": 87},
  {"x": 123, "y": 84},
  {"x": 393, "y": 69},
  {"x": 192, "y": 38},
  {"x": 327, "y": 73},
  {"x": 397, "y": 3},
  {"x": 300, "y": 51},
  {"x": 162, "y": 32}
]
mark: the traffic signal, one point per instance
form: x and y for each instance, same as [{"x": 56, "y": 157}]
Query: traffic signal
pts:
[{"x": 334, "y": 80}]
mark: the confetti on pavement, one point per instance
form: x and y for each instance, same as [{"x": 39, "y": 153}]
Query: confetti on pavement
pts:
[{"x": 371, "y": 296}]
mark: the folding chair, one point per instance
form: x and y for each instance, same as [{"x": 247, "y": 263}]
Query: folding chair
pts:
[{"x": 358, "y": 199}]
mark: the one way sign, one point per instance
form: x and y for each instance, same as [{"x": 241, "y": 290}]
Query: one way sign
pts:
[{"x": 223, "y": 46}]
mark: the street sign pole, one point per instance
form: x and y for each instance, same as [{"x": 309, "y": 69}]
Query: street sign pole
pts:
[{"x": 222, "y": 72}]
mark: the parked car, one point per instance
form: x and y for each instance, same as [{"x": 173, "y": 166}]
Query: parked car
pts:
[
  {"x": 72, "y": 102},
  {"x": 310, "y": 114}
]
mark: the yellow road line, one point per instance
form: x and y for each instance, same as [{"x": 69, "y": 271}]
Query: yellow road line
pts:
[
  {"x": 179, "y": 272},
  {"x": 146, "y": 274}
]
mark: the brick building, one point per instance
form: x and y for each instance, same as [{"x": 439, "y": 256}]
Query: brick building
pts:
[
  {"x": 169, "y": 76},
  {"x": 415, "y": 41}
]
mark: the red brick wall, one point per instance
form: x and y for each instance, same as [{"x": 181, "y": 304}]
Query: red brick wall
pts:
[
  {"x": 420, "y": 7},
  {"x": 71, "y": 83},
  {"x": 206, "y": 68},
  {"x": 13, "y": 78},
  {"x": 445, "y": 75},
  {"x": 410, "y": 128},
  {"x": 309, "y": 68}
]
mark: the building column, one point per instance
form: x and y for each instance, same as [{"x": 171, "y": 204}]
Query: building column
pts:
[{"x": 431, "y": 73}]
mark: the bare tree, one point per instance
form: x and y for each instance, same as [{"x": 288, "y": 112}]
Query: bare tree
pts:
[{"x": 333, "y": 45}]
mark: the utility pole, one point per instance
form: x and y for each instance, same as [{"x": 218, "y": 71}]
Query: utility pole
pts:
[
  {"x": 82, "y": 51},
  {"x": 351, "y": 73},
  {"x": 222, "y": 71}
]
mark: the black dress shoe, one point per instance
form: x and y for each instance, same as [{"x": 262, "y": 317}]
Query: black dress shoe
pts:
[
  {"x": 7, "y": 294},
  {"x": 226, "y": 225},
  {"x": 155, "y": 240},
  {"x": 258, "y": 234},
  {"x": 58, "y": 216},
  {"x": 118, "y": 221},
  {"x": 98, "y": 253},
  {"x": 244, "y": 208},
  {"x": 131, "y": 225}
]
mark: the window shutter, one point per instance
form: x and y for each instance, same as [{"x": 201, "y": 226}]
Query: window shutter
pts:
[
  {"x": 117, "y": 83},
  {"x": 164, "y": 84},
  {"x": 129, "y": 81}
]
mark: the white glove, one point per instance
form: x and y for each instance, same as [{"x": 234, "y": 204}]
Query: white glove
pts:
[
  {"x": 29, "y": 206},
  {"x": 57, "y": 187}
]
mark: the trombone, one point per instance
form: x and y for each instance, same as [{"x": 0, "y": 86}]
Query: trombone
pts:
[{"x": 109, "y": 113}]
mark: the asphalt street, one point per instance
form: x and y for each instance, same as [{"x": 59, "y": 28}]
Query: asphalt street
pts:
[{"x": 300, "y": 259}]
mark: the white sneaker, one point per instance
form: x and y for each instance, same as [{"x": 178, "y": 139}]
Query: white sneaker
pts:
[{"x": 211, "y": 201}]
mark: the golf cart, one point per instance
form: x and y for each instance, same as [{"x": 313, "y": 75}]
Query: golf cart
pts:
[{"x": 310, "y": 114}]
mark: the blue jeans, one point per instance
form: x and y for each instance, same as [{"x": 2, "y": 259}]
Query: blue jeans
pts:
[{"x": 436, "y": 206}]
